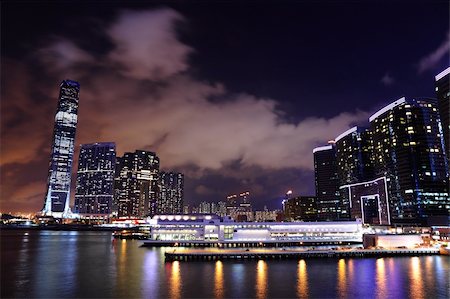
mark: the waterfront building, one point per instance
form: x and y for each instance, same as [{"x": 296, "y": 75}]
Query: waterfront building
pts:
[
  {"x": 354, "y": 156},
  {"x": 369, "y": 201},
  {"x": 329, "y": 206},
  {"x": 301, "y": 208},
  {"x": 212, "y": 228},
  {"x": 408, "y": 151},
  {"x": 95, "y": 178},
  {"x": 136, "y": 184},
  {"x": 171, "y": 187},
  {"x": 57, "y": 197},
  {"x": 443, "y": 95}
]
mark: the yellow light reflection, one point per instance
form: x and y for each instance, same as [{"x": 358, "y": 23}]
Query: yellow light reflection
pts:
[
  {"x": 415, "y": 276},
  {"x": 261, "y": 279},
  {"x": 302, "y": 280},
  {"x": 381, "y": 278},
  {"x": 175, "y": 281},
  {"x": 342, "y": 279},
  {"x": 218, "y": 280}
]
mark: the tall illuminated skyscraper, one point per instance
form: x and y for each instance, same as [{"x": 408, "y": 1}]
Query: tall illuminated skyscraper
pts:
[
  {"x": 329, "y": 205},
  {"x": 95, "y": 178},
  {"x": 136, "y": 184},
  {"x": 171, "y": 187},
  {"x": 408, "y": 149},
  {"x": 443, "y": 96},
  {"x": 60, "y": 167}
]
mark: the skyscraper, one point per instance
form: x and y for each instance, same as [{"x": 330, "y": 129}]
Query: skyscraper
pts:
[
  {"x": 60, "y": 167},
  {"x": 136, "y": 184},
  {"x": 443, "y": 95},
  {"x": 171, "y": 186},
  {"x": 408, "y": 150},
  {"x": 353, "y": 155},
  {"x": 327, "y": 183},
  {"x": 95, "y": 178}
]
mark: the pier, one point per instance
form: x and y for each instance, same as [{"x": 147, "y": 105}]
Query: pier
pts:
[{"x": 278, "y": 254}]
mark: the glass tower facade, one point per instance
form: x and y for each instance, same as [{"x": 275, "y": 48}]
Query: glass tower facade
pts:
[
  {"x": 408, "y": 150},
  {"x": 353, "y": 155},
  {"x": 60, "y": 166},
  {"x": 171, "y": 186},
  {"x": 95, "y": 178},
  {"x": 329, "y": 206},
  {"x": 443, "y": 96},
  {"x": 136, "y": 184}
]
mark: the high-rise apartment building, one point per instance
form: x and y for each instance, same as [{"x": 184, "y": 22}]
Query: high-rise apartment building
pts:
[
  {"x": 408, "y": 150},
  {"x": 136, "y": 184},
  {"x": 57, "y": 198},
  {"x": 171, "y": 188},
  {"x": 95, "y": 178},
  {"x": 329, "y": 206}
]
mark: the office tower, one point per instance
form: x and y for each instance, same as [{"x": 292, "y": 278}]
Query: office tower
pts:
[
  {"x": 171, "y": 187},
  {"x": 443, "y": 95},
  {"x": 329, "y": 206},
  {"x": 353, "y": 156},
  {"x": 301, "y": 208},
  {"x": 408, "y": 150},
  {"x": 186, "y": 209},
  {"x": 95, "y": 178},
  {"x": 136, "y": 183},
  {"x": 60, "y": 167}
]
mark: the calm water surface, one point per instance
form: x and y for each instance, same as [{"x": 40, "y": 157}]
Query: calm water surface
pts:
[{"x": 53, "y": 264}]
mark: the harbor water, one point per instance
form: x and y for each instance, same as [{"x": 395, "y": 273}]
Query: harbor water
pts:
[{"x": 63, "y": 264}]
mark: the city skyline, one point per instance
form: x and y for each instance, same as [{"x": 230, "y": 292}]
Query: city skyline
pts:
[{"x": 215, "y": 138}]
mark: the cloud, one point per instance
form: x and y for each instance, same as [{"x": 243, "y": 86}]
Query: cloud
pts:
[
  {"x": 141, "y": 95},
  {"x": 387, "y": 80},
  {"x": 146, "y": 46},
  {"x": 431, "y": 61}
]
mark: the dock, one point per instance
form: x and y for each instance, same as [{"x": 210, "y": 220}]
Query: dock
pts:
[
  {"x": 247, "y": 244},
  {"x": 278, "y": 254}
]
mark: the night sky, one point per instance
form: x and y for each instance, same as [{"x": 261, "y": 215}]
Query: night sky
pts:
[{"x": 236, "y": 96}]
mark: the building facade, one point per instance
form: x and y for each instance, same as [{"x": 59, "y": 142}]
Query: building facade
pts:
[
  {"x": 57, "y": 198},
  {"x": 443, "y": 96},
  {"x": 171, "y": 188},
  {"x": 95, "y": 178},
  {"x": 368, "y": 201},
  {"x": 136, "y": 184},
  {"x": 408, "y": 150},
  {"x": 211, "y": 228},
  {"x": 301, "y": 208},
  {"x": 329, "y": 206}
]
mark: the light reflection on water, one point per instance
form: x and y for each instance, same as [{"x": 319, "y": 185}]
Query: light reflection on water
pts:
[
  {"x": 218, "y": 280},
  {"x": 302, "y": 280},
  {"x": 261, "y": 279},
  {"x": 416, "y": 278},
  {"x": 91, "y": 264}
]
